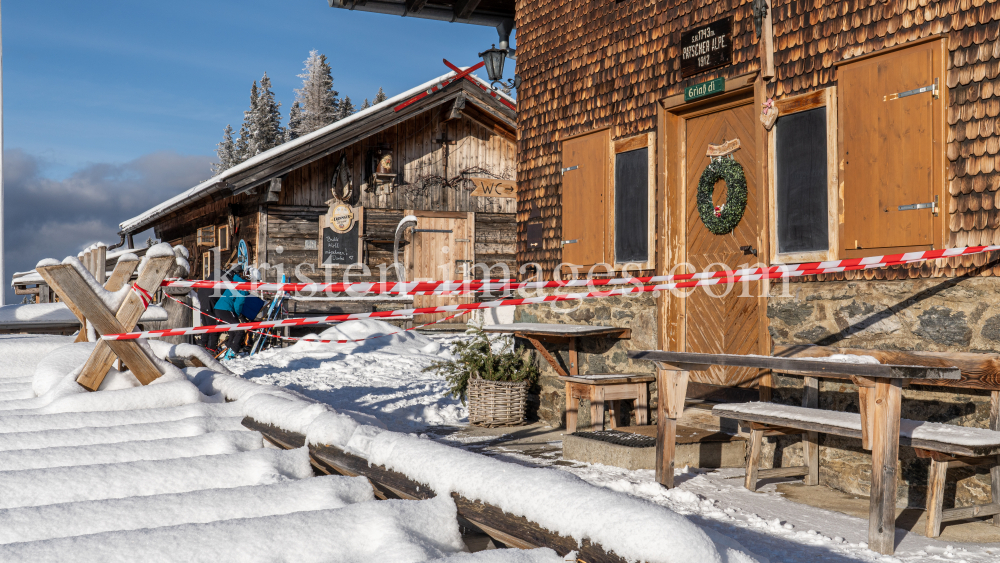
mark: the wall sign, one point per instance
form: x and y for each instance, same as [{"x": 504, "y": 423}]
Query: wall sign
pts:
[
  {"x": 336, "y": 247},
  {"x": 707, "y": 47},
  {"x": 492, "y": 187},
  {"x": 705, "y": 89}
]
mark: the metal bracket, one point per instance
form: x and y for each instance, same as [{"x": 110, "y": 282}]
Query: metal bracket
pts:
[
  {"x": 565, "y": 242},
  {"x": 931, "y": 205},
  {"x": 565, "y": 170},
  {"x": 933, "y": 88}
]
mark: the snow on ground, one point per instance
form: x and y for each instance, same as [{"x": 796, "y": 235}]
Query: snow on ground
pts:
[{"x": 381, "y": 377}]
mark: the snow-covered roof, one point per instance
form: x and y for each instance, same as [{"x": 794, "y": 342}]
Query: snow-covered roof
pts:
[{"x": 218, "y": 182}]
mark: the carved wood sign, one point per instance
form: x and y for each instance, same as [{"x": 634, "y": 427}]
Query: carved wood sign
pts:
[
  {"x": 492, "y": 187},
  {"x": 706, "y": 47}
]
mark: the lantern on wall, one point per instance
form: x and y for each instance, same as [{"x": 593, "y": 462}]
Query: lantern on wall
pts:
[{"x": 494, "y": 59}]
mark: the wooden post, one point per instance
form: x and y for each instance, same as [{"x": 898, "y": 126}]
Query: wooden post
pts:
[
  {"x": 671, "y": 387},
  {"x": 641, "y": 404},
  {"x": 935, "y": 497},
  {"x": 995, "y": 470},
  {"x": 753, "y": 457},
  {"x": 100, "y": 259},
  {"x": 885, "y": 460},
  {"x": 596, "y": 408},
  {"x": 810, "y": 440},
  {"x": 766, "y": 46},
  {"x": 572, "y": 408}
]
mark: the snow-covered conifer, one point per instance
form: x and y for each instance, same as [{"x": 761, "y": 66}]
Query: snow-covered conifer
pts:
[
  {"x": 366, "y": 105},
  {"x": 317, "y": 98},
  {"x": 346, "y": 108},
  {"x": 266, "y": 131},
  {"x": 380, "y": 97},
  {"x": 294, "y": 121},
  {"x": 226, "y": 152}
]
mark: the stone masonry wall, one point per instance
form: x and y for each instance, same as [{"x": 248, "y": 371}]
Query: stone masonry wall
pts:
[
  {"x": 595, "y": 355},
  {"x": 942, "y": 314}
]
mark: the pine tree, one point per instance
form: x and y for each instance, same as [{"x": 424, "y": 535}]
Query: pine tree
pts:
[
  {"x": 366, "y": 105},
  {"x": 294, "y": 121},
  {"x": 380, "y": 97},
  {"x": 226, "y": 152},
  {"x": 267, "y": 132},
  {"x": 345, "y": 108},
  {"x": 319, "y": 105}
]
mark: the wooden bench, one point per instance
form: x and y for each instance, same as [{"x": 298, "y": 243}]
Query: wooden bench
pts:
[{"x": 602, "y": 388}]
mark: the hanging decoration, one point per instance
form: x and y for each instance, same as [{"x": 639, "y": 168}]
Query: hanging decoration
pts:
[
  {"x": 722, "y": 219},
  {"x": 343, "y": 183},
  {"x": 768, "y": 114}
]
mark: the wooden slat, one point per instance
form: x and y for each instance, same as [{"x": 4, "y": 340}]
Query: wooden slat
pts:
[
  {"x": 966, "y": 512},
  {"x": 797, "y": 471}
]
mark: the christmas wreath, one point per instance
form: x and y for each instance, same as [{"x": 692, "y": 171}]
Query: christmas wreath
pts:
[{"x": 721, "y": 219}]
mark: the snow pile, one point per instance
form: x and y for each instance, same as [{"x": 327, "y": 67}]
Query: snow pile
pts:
[
  {"x": 556, "y": 500},
  {"x": 83, "y": 436},
  {"x": 381, "y": 377},
  {"x": 67, "y": 421}
]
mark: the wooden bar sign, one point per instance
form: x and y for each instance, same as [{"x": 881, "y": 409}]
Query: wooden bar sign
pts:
[
  {"x": 707, "y": 47},
  {"x": 492, "y": 187}
]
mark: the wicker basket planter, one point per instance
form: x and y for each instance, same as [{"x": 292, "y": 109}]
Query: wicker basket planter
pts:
[{"x": 497, "y": 403}]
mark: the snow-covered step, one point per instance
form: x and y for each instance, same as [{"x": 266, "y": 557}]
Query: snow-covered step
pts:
[
  {"x": 214, "y": 443},
  {"x": 187, "y": 427},
  {"x": 13, "y": 393},
  {"x": 92, "y": 517},
  {"x": 168, "y": 394},
  {"x": 64, "y": 421},
  {"x": 17, "y": 383},
  {"x": 38, "y": 487},
  {"x": 393, "y": 530}
]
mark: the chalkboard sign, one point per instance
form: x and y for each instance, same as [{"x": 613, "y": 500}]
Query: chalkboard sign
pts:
[
  {"x": 706, "y": 47},
  {"x": 801, "y": 181},
  {"x": 632, "y": 206},
  {"x": 340, "y": 249}
]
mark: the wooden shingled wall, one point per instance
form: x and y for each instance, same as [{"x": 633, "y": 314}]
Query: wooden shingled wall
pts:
[{"x": 588, "y": 65}]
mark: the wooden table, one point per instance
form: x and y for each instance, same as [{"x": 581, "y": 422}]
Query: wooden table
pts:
[
  {"x": 536, "y": 333},
  {"x": 880, "y": 392}
]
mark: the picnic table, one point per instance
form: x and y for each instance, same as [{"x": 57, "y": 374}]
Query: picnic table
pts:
[
  {"x": 536, "y": 333},
  {"x": 880, "y": 393}
]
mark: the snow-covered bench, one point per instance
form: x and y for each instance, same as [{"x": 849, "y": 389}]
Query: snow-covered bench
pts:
[{"x": 945, "y": 445}]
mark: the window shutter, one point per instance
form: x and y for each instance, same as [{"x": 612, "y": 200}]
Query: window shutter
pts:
[{"x": 584, "y": 183}]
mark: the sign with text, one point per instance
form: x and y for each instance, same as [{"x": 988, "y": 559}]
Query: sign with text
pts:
[
  {"x": 705, "y": 89},
  {"x": 707, "y": 47},
  {"x": 491, "y": 187},
  {"x": 336, "y": 247}
]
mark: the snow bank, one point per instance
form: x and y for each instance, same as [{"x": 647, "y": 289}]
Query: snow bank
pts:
[
  {"x": 215, "y": 443},
  {"x": 409, "y": 342},
  {"x": 82, "y": 518},
  {"x": 397, "y": 531},
  {"x": 38, "y": 487},
  {"x": 21, "y": 352},
  {"x": 83, "y": 436},
  {"x": 68, "y": 421},
  {"x": 541, "y": 555}
]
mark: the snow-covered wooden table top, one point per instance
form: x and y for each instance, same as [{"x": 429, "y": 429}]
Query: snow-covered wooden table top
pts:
[{"x": 554, "y": 329}]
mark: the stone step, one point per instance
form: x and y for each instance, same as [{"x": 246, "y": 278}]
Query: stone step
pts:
[{"x": 696, "y": 447}]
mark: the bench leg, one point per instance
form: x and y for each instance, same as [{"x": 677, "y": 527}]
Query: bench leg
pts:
[
  {"x": 641, "y": 404},
  {"x": 597, "y": 408},
  {"x": 810, "y": 451},
  {"x": 572, "y": 407},
  {"x": 935, "y": 497},
  {"x": 753, "y": 459},
  {"x": 613, "y": 414},
  {"x": 995, "y": 487}
]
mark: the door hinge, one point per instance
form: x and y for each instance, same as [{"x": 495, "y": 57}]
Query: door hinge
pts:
[
  {"x": 565, "y": 242},
  {"x": 431, "y": 230},
  {"x": 930, "y": 205},
  {"x": 565, "y": 170},
  {"x": 933, "y": 88}
]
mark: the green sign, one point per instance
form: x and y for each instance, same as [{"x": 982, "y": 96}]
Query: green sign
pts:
[{"x": 704, "y": 89}]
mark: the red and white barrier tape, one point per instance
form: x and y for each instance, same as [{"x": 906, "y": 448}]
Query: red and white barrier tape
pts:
[
  {"x": 486, "y": 305},
  {"x": 293, "y": 338},
  {"x": 458, "y": 287},
  {"x": 143, "y": 295}
]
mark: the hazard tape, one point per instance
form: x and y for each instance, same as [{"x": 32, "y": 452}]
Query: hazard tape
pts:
[
  {"x": 293, "y": 338},
  {"x": 460, "y": 287},
  {"x": 486, "y": 305}
]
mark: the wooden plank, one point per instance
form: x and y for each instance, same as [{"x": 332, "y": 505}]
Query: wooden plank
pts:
[
  {"x": 610, "y": 379},
  {"x": 966, "y": 512},
  {"x": 935, "y": 497},
  {"x": 121, "y": 274},
  {"x": 795, "y": 471},
  {"x": 810, "y": 441},
  {"x": 510, "y": 529},
  {"x": 819, "y": 368},
  {"x": 885, "y": 461},
  {"x": 539, "y": 330},
  {"x": 977, "y": 371}
]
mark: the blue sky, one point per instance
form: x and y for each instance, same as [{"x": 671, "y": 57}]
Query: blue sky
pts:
[{"x": 112, "y": 106}]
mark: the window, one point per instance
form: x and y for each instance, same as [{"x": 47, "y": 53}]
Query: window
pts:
[
  {"x": 206, "y": 265},
  {"x": 633, "y": 207},
  {"x": 223, "y": 240},
  {"x": 803, "y": 178},
  {"x": 206, "y": 236},
  {"x": 892, "y": 139},
  {"x": 604, "y": 221}
]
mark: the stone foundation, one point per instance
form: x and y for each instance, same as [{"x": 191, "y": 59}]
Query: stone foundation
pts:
[
  {"x": 595, "y": 354},
  {"x": 942, "y": 314}
]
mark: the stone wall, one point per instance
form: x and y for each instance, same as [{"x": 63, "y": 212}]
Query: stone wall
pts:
[
  {"x": 595, "y": 355},
  {"x": 942, "y": 314}
]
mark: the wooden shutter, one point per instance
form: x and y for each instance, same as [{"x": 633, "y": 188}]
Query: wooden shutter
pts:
[
  {"x": 892, "y": 147},
  {"x": 584, "y": 185}
]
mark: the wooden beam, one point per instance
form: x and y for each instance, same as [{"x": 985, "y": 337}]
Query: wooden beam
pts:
[
  {"x": 509, "y": 529},
  {"x": 885, "y": 462},
  {"x": 414, "y": 6},
  {"x": 545, "y": 353},
  {"x": 464, "y": 8}
]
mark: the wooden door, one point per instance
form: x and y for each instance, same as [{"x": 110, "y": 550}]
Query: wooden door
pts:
[
  {"x": 443, "y": 249},
  {"x": 722, "y": 318},
  {"x": 585, "y": 162},
  {"x": 889, "y": 148}
]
